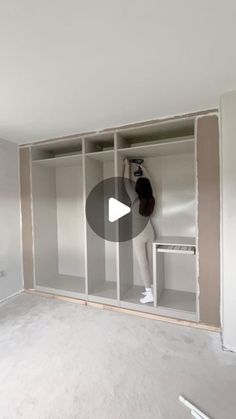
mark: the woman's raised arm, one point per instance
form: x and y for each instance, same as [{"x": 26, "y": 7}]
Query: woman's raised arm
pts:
[
  {"x": 145, "y": 172},
  {"x": 129, "y": 185}
]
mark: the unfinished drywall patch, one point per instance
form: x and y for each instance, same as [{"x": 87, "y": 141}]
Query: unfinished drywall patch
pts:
[
  {"x": 228, "y": 214},
  {"x": 26, "y": 217},
  {"x": 209, "y": 218},
  {"x": 70, "y": 222},
  {"x": 45, "y": 224},
  {"x": 11, "y": 280}
]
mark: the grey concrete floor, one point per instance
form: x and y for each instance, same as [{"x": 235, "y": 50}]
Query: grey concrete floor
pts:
[{"x": 60, "y": 360}]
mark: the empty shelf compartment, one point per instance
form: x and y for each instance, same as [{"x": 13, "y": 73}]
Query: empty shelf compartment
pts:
[
  {"x": 99, "y": 142},
  {"x": 54, "y": 149},
  {"x": 174, "y": 272},
  {"x": 154, "y": 133}
]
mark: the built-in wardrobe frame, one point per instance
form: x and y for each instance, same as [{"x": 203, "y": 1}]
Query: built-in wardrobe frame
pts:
[{"x": 199, "y": 130}]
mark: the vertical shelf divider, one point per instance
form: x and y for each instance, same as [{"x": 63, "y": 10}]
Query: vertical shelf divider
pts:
[
  {"x": 196, "y": 221},
  {"x": 124, "y": 251},
  {"x": 32, "y": 215},
  {"x": 85, "y": 220},
  {"x": 116, "y": 174},
  {"x": 154, "y": 275}
]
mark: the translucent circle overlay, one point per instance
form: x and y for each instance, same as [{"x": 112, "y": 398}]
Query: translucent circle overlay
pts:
[{"x": 97, "y": 206}]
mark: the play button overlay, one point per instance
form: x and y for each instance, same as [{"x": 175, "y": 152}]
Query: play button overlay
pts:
[
  {"x": 116, "y": 210},
  {"x": 111, "y": 212}
]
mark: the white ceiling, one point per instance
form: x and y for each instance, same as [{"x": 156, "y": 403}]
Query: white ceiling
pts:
[{"x": 70, "y": 65}]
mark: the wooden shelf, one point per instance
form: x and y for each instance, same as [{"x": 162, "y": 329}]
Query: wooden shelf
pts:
[
  {"x": 134, "y": 294},
  {"x": 165, "y": 147},
  {"x": 175, "y": 241},
  {"x": 64, "y": 282},
  {"x": 60, "y": 161},
  {"x": 166, "y": 248},
  {"x": 104, "y": 289},
  {"x": 170, "y": 299},
  {"x": 103, "y": 156},
  {"x": 162, "y": 148},
  {"x": 178, "y": 300}
]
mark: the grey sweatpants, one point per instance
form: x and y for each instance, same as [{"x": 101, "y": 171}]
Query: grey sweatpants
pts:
[{"x": 142, "y": 245}]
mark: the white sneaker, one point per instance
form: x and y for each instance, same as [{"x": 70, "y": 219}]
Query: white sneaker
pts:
[
  {"x": 148, "y": 298},
  {"x": 145, "y": 292}
]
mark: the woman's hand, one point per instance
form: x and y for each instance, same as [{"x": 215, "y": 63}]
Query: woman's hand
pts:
[
  {"x": 126, "y": 161},
  {"x": 126, "y": 168},
  {"x": 144, "y": 170}
]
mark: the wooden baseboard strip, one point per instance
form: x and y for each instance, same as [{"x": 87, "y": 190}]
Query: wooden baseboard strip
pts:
[
  {"x": 141, "y": 314},
  {"x": 56, "y": 296}
]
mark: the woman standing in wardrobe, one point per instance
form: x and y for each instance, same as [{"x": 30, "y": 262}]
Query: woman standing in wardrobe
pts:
[{"x": 142, "y": 205}]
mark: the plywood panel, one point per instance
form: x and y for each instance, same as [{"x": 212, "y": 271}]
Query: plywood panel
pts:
[
  {"x": 27, "y": 237},
  {"x": 70, "y": 220},
  {"x": 11, "y": 280},
  {"x": 45, "y": 223},
  {"x": 95, "y": 244},
  {"x": 163, "y": 148},
  {"x": 209, "y": 218},
  {"x": 228, "y": 214},
  {"x": 110, "y": 247},
  {"x": 61, "y": 161},
  {"x": 125, "y": 249}
]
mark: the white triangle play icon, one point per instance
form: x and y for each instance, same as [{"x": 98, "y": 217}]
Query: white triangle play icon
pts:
[{"x": 116, "y": 210}]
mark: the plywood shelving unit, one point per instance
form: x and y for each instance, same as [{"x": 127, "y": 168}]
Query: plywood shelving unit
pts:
[{"x": 70, "y": 259}]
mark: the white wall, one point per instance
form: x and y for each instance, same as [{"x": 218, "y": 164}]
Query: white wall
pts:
[
  {"x": 95, "y": 244},
  {"x": 70, "y": 220},
  {"x": 228, "y": 218},
  {"x": 10, "y": 235},
  {"x": 123, "y": 61},
  {"x": 45, "y": 224}
]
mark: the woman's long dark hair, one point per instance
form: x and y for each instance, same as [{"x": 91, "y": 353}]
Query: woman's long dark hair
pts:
[{"x": 147, "y": 201}]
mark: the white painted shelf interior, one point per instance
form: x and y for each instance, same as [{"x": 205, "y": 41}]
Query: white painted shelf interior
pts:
[
  {"x": 101, "y": 254},
  {"x": 58, "y": 213},
  {"x": 71, "y": 259},
  {"x": 175, "y": 290}
]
